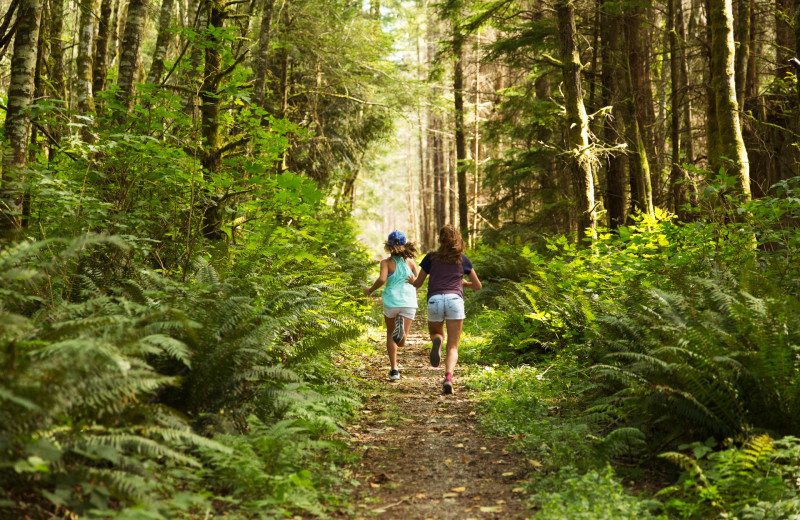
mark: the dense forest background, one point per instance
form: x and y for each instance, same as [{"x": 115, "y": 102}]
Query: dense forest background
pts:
[{"x": 187, "y": 188}]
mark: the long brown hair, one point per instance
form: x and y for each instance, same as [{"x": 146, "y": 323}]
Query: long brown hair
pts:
[
  {"x": 451, "y": 245},
  {"x": 407, "y": 250}
]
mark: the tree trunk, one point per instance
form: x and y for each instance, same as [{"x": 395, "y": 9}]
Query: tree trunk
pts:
[
  {"x": 461, "y": 145},
  {"x": 209, "y": 110},
  {"x": 684, "y": 86},
  {"x": 784, "y": 37},
  {"x": 438, "y": 175},
  {"x": 113, "y": 38},
  {"x": 375, "y": 9},
  {"x": 162, "y": 41},
  {"x": 17, "y": 125},
  {"x": 638, "y": 164},
  {"x": 198, "y": 19},
  {"x": 640, "y": 107},
  {"x": 129, "y": 57},
  {"x": 582, "y": 158},
  {"x": 57, "y": 66},
  {"x": 83, "y": 72},
  {"x": 611, "y": 54},
  {"x": 731, "y": 144},
  {"x": 677, "y": 187},
  {"x": 261, "y": 59},
  {"x": 742, "y": 36},
  {"x": 100, "y": 66}
]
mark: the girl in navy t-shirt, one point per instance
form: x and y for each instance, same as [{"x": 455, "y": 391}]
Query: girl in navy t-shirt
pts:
[{"x": 446, "y": 268}]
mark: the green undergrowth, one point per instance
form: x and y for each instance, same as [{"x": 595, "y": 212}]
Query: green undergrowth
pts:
[
  {"x": 667, "y": 350},
  {"x": 210, "y": 390}
]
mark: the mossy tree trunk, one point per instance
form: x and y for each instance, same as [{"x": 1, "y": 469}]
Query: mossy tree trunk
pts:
[
  {"x": 730, "y": 144},
  {"x": 17, "y": 125},
  {"x": 163, "y": 41},
  {"x": 582, "y": 160},
  {"x": 100, "y": 61},
  {"x": 129, "y": 56},
  {"x": 83, "y": 72}
]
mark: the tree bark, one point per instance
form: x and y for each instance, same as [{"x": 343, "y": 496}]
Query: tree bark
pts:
[
  {"x": 57, "y": 82},
  {"x": 83, "y": 72},
  {"x": 209, "y": 110},
  {"x": 129, "y": 57},
  {"x": 641, "y": 197},
  {"x": 613, "y": 129},
  {"x": 640, "y": 107},
  {"x": 581, "y": 157},
  {"x": 677, "y": 186},
  {"x": 461, "y": 145},
  {"x": 261, "y": 59},
  {"x": 100, "y": 66},
  {"x": 163, "y": 41},
  {"x": 731, "y": 144},
  {"x": 742, "y": 36},
  {"x": 17, "y": 125}
]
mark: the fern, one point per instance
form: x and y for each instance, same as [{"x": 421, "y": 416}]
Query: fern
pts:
[{"x": 718, "y": 361}]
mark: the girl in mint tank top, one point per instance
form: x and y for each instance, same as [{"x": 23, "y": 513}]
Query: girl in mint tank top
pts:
[{"x": 399, "y": 296}]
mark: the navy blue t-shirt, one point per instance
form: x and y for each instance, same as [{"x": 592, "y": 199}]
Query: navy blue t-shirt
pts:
[{"x": 445, "y": 278}]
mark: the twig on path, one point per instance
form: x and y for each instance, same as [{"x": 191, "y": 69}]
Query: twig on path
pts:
[{"x": 395, "y": 504}]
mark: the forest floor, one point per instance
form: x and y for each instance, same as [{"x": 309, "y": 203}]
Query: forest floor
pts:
[{"x": 422, "y": 453}]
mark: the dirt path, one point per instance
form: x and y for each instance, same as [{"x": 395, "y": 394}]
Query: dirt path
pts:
[{"x": 423, "y": 455}]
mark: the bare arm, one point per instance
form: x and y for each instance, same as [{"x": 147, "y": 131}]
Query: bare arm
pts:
[
  {"x": 473, "y": 282},
  {"x": 381, "y": 278},
  {"x": 418, "y": 280}
]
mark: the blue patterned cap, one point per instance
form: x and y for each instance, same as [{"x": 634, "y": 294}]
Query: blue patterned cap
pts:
[{"x": 397, "y": 238}]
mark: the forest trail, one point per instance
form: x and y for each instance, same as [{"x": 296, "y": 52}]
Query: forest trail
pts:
[{"x": 423, "y": 456}]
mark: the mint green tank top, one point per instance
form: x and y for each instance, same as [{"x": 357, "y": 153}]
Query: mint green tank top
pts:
[{"x": 398, "y": 292}]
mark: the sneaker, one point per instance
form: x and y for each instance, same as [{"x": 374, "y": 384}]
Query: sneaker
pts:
[
  {"x": 394, "y": 374},
  {"x": 399, "y": 329},
  {"x": 436, "y": 351},
  {"x": 447, "y": 387}
]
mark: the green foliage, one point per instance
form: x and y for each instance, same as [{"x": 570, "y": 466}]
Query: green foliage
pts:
[
  {"x": 756, "y": 480},
  {"x": 712, "y": 361},
  {"x": 99, "y": 355},
  {"x": 528, "y": 405},
  {"x": 593, "y": 495}
]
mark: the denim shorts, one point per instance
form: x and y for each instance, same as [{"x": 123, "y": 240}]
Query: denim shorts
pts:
[
  {"x": 406, "y": 312},
  {"x": 445, "y": 307}
]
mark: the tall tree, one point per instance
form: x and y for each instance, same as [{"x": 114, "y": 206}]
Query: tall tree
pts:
[
  {"x": 261, "y": 58},
  {"x": 637, "y": 103},
  {"x": 100, "y": 61},
  {"x": 612, "y": 80},
  {"x": 731, "y": 145},
  {"x": 163, "y": 40},
  {"x": 677, "y": 188},
  {"x": 582, "y": 159},
  {"x": 57, "y": 81},
  {"x": 17, "y": 126},
  {"x": 461, "y": 145},
  {"x": 83, "y": 73},
  {"x": 131, "y": 47}
]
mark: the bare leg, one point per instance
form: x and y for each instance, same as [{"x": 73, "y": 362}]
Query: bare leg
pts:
[
  {"x": 407, "y": 323},
  {"x": 436, "y": 328},
  {"x": 453, "y": 336},
  {"x": 391, "y": 346}
]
